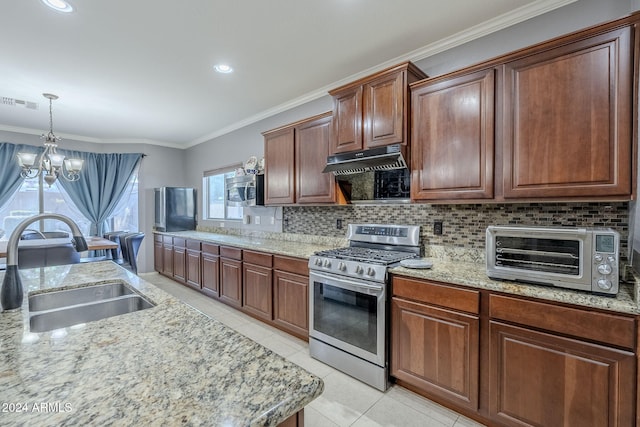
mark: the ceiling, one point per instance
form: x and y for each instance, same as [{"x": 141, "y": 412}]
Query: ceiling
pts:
[{"x": 141, "y": 71}]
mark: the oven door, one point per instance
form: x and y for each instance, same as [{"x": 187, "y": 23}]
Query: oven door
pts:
[{"x": 348, "y": 314}]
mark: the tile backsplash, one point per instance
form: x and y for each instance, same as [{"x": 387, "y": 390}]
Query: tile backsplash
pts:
[{"x": 463, "y": 225}]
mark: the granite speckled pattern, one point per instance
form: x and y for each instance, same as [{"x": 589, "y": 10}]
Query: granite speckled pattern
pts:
[
  {"x": 474, "y": 275},
  {"x": 166, "y": 365},
  {"x": 291, "y": 247}
]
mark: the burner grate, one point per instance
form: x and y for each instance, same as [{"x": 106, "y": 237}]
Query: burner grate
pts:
[{"x": 377, "y": 256}]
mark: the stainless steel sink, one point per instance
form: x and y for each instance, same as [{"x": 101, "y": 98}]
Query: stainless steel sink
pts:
[
  {"x": 67, "y": 297},
  {"x": 60, "y": 309}
]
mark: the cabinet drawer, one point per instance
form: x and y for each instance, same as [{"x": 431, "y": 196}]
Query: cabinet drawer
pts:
[
  {"x": 193, "y": 244},
  {"x": 437, "y": 294},
  {"x": 232, "y": 253},
  {"x": 602, "y": 327},
  {"x": 257, "y": 258},
  {"x": 210, "y": 248},
  {"x": 292, "y": 265},
  {"x": 178, "y": 241},
  {"x": 167, "y": 240},
  {"x": 157, "y": 238}
]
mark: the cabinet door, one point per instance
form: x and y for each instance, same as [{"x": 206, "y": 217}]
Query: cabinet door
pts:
[
  {"x": 180, "y": 264},
  {"x": 157, "y": 257},
  {"x": 231, "y": 281},
  {"x": 384, "y": 102},
  {"x": 257, "y": 292},
  {"x": 347, "y": 121},
  {"x": 194, "y": 269},
  {"x": 312, "y": 149},
  {"x": 567, "y": 129},
  {"x": 452, "y": 139},
  {"x": 436, "y": 350},
  {"x": 210, "y": 274},
  {"x": 167, "y": 258},
  {"x": 291, "y": 302},
  {"x": 539, "y": 379},
  {"x": 279, "y": 167}
]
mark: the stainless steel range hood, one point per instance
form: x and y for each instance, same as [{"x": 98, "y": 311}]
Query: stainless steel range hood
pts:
[{"x": 379, "y": 158}]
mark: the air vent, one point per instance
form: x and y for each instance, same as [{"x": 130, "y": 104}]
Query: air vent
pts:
[{"x": 19, "y": 103}]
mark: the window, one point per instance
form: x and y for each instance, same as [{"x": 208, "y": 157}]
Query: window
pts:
[
  {"x": 26, "y": 202},
  {"x": 214, "y": 193}
]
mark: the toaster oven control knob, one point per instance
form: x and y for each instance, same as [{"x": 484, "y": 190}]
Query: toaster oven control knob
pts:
[
  {"x": 604, "y": 284},
  {"x": 597, "y": 257},
  {"x": 611, "y": 259},
  {"x": 359, "y": 269},
  {"x": 604, "y": 269},
  {"x": 371, "y": 271},
  {"x": 326, "y": 263},
  {"x": 342, "y": 266}
]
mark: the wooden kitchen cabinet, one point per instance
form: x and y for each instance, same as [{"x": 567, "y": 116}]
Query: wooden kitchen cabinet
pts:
[
  {"x": 568, "y": 119},
  {"x": 180, "y": 260},
  {"x": 257, "y": 284},
  {"x": 231, "y": 276},
  {"x": 291, "y": 295},
  {"x": 435, "y": 339},
  {"x": 193, "y": 276},
  {"x": 157, "y": 253},
  {"x": 312, "y": 140},
  {"x": 452, "y": 137},
  {"x": 210, "y": 269},
  {"x": 295, "y": 156},
  {"x": 373, "y": 111},
  {"x": 167, "y": 256},
  {"x": 576, "y": 367},
  {"x": 279, "y": 156}
]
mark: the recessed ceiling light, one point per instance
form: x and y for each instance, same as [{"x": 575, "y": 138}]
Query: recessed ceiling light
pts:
[
  {"x": 58, "y": 5},
  {"x": 223, "y": 68}
]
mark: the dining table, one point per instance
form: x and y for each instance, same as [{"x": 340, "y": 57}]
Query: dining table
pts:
[{"x": 94, "y": 243}]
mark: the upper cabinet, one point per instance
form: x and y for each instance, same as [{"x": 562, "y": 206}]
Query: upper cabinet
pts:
[
  {"x": 452, "y": 137},
  {"x": 373, "y": 111},
  {"x": 550, "y": 122},
  {"x": 295, "y": 156},
  {"x": 567, "y": 119}
]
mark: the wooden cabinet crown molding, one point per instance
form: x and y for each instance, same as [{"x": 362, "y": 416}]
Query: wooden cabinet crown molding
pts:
[{"x": 404, "y": 66}]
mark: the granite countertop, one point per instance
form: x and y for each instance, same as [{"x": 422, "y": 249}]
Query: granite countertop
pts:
[
  {"x": 474, "y": 275},
  {"x": 169, "y": 364},
  {"x": 462, "y": 271}
]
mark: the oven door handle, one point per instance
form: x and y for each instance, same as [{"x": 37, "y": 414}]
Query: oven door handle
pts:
[{"x": 351, "y": 285}]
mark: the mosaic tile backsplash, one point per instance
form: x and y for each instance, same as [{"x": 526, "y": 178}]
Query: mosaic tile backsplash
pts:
[{"x": 463, "y": 225}]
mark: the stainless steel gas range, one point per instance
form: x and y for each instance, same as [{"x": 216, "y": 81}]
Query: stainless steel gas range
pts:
[{"x": 348, "y": 299}]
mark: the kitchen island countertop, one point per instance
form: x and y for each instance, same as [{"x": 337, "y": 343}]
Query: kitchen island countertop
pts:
[{"x": 165, "y": 365}]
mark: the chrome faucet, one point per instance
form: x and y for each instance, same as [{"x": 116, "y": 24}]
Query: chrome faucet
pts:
[{"x": 11, "y": 294}]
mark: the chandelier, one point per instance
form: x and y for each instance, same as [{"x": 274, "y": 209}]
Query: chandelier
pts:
[{"x": 51, "y": 163}]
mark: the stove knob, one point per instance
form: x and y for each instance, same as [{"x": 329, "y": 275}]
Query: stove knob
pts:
[
  {"x": 318, "y": 262},
  {"x": 342, "y": 266},
  {"x": 327, "y": 263},
  {"x": 371, "y": 271},
  {"x": 359, "y": 269}
]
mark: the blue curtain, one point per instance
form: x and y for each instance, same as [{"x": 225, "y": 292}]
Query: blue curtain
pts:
[
  {"x": 10, "y": 179},
  {"x": 103, "y": 180}
]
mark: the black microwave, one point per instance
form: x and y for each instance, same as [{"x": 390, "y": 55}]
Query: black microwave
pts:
[{"x": 245, "y": 190}]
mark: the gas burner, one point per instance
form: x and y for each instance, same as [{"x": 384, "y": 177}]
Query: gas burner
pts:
[{"x": 374, "y": 256}]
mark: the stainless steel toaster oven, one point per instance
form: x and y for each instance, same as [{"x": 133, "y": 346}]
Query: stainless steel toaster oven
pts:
[{"x": 577, "y": 258}]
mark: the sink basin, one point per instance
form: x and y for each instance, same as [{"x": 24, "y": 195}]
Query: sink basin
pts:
[
  {"x": 67, "y": 297},
  {"x": 60, "y": 309}
]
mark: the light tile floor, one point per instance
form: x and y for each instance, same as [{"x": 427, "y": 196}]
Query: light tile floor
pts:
[{"x": 345, "y": 401}]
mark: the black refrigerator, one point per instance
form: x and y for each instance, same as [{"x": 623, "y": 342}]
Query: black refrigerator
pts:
[{"x": 175, "y": 208}]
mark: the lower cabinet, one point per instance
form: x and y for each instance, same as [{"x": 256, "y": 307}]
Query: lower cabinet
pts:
[
  {"x": 231, "y": 276},
  {"x": 179, "y": 260},
  {"x": 157, "y": 253},
  {"x": 538, "y": 379},
  {"x": 435, "y": 346},
  {"x": 257, "y": 288},
  {"x": 194, "y": 264},
  {"x": 167, "y": 256},
  {"x": 513, "y": 361},
  {"x": 210, "y": 269}
]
